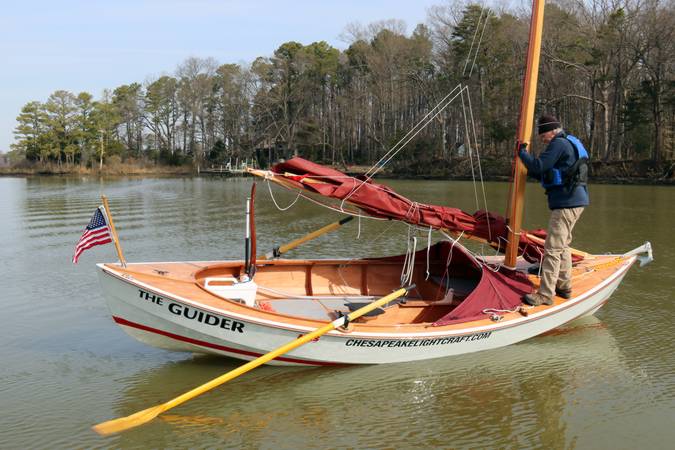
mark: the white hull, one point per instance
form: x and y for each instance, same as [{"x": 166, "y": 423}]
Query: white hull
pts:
[{"x": 163, "y": 320}]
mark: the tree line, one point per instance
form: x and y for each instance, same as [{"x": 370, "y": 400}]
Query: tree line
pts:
[{"x": 606, "y": 71}]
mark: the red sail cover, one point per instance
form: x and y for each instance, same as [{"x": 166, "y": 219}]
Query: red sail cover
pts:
[
  {"x": 483, "y": 290},
  {"x": 381, "y": 201},
  {"x": 496, "y": 292}
]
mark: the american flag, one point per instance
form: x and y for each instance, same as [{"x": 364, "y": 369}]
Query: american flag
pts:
[{"x": 96, "y": 233}]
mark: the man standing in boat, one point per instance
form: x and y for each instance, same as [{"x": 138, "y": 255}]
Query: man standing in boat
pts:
[{"x": 561, "y": 167}]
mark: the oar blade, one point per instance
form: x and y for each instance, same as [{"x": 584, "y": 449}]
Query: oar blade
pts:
[
  {"x": 141, "y": 417},
  {"x": 125, "y": 423}
]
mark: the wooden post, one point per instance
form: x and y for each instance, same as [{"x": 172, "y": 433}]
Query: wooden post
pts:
[
  {"x": 515, "y": 213},
  {"x": 113, "y": 231}
]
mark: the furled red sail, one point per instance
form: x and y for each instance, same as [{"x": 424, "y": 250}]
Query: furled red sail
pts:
[{"x": 380, "y": 201}]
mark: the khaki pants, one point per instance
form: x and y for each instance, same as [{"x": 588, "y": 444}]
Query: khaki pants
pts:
[{"x": 556, "y": 267}]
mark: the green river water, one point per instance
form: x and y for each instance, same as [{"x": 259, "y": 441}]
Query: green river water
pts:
[{"x": 604, "y": 382}]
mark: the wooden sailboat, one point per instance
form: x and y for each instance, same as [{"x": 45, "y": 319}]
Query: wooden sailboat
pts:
[{"x": 460, "y": 303}]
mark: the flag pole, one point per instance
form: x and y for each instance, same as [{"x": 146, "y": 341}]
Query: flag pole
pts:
[{"x": 113, "y": 231}]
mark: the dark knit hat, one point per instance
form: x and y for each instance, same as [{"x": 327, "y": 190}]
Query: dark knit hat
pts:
[{"x": 546, "y": 123}]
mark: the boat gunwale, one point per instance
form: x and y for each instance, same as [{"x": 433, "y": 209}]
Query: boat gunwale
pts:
[{"x": 455, "y": 329}]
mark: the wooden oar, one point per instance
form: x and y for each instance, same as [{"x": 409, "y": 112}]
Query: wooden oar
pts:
[
  {"x": 141, "y": 417},
  {"x": 313, "y": 235}
]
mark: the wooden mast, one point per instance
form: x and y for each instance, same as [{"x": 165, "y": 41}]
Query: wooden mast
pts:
[{"x": 515, "y": 212}]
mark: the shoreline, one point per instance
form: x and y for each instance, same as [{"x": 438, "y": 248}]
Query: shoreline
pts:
[{"x": 632, "y": 173}]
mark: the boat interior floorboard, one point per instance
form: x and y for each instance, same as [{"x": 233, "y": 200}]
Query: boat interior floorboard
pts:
[{"x": 308, "y": 308}]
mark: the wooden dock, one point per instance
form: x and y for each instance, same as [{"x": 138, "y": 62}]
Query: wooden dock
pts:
[{"x": 224, "y": 170}]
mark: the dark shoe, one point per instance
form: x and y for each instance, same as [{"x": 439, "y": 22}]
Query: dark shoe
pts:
[
  {"x": 563, "y": 293},
  {"x": 537, "y": 299}
]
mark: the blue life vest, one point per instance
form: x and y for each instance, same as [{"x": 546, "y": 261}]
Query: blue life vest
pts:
[{"x": 575, "y": 175}]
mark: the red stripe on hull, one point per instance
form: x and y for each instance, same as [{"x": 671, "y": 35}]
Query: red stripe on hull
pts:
[{"x": 178, "y": 337}]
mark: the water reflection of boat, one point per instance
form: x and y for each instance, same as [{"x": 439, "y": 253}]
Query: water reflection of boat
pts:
[{"x": 514, "y": 388}]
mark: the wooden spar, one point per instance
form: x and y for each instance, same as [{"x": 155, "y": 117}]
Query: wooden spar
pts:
[
  {"x": 515, "y": 213},
  {"x": 113, "y": 232},
  {"x": 456, "y": 235},
  {"x": 313, "y": 235}
]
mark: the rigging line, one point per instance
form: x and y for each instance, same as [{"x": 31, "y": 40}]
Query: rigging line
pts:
[
  {"x": 485, "y": 262},
  {"x": 423, "y": 122},
  {"x": 431, "y": 111},
  {"x": 408, "y": 269},
  {"x": 516, "y": 309},
  {"x": 411, "y": 273},
  {"x": 455, "y": 241},
  {"x": 339, "y": 272},
  {"x": 427, "y": 122},
  {"x": 480, "y": 169},
  {"x": 409, "y": 261},
  {"x": 412, "y": 210},
  {"x": 378, "y": 237},
  {"x": 468, "y": 56},
  {"x": 404, "y": 267},
  {"x": 341, "y": 210},
  {"x": 353, "y": 213},
  {"x": 487, "y": 19},
  {"x": 326, "y": 205},
  {"x": 269, "y": 185},
  {"x": 328, "y": 177},
  {"x": 467, "y": 140},
  {"x": 414, "y": 206},
  {"x": 449, "y": 260},
  {"x": 379, "y": 165},
  {"x": 520, "y": 233}
]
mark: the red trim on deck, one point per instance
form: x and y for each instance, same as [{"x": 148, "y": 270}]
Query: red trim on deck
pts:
[{"x": 121, "y": 321}]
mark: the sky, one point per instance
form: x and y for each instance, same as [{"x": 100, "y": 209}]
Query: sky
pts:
[{"x": 91, "y": 45}]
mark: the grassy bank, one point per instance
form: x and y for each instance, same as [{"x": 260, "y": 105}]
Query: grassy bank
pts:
[
  {"x": 490, "y": 169},
  {"x": 117, "y": 169}
]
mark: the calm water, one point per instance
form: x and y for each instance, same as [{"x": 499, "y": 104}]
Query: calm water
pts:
[{"x": 606, "y": 382}]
